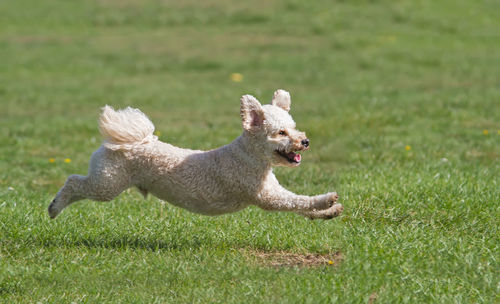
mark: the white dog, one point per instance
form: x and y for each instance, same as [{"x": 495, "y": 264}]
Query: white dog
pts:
[{"x": 214, "y": 182}]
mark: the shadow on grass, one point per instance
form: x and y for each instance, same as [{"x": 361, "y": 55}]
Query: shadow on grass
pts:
[
  {"x": 9, "y": 287},
  {"x": 255, "y": 254},
  {"x": 128, "y": 242}
]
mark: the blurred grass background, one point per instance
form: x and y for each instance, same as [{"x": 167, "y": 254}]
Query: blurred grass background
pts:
[{"x": 400, "y": 101}]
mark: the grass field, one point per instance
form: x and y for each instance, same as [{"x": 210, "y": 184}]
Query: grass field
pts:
[{"x": 401, "y": 102}]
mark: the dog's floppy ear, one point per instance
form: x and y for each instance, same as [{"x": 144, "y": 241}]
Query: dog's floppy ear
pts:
[
  {"x": 251, "y": 113},
  {"x": 282, "y": 99}
]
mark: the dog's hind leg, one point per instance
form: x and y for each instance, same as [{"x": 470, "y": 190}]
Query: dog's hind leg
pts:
[
  {"x": 73, "y": 190},
  {"x": 106, "y": 179}
]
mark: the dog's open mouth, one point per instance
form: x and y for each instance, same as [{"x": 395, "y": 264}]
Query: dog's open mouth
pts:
[{"x": 292, "y": 157}]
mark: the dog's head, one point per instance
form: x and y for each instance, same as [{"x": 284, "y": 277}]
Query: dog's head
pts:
[{"x": 272, "y": 130}]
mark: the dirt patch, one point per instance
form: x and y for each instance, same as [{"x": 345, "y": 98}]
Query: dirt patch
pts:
[
  {"x": 373, "y": 298},
  {"x": 289, "y": 259}
]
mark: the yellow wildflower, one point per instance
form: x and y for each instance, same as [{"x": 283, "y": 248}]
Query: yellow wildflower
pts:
[
  {"x": 485, "y": 132},
  {"x": 67, "y": 160},
  {"x": 330, "y": 262},
  {"x": 388, "y": 38},
  {"x": 51, "y": 160},
  {"x": 236, "y": 77},
  {"x": 407, "y": 148}
]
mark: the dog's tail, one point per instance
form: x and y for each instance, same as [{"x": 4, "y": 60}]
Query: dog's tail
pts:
[{"x": 125, "y": 129}]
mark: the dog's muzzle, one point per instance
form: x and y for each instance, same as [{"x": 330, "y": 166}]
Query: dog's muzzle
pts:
[{"x": 305, "y": 142}]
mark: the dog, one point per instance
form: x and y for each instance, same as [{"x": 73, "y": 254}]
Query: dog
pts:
[{"x": 224, "y": 180}]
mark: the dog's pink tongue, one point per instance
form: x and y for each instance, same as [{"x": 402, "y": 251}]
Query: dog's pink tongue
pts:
[{"x": 297, "y": 158}]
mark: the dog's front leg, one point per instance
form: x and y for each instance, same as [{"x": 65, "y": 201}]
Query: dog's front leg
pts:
[
  {"x": 326, "y": 214},
  {"x": 278, "y": 198}
]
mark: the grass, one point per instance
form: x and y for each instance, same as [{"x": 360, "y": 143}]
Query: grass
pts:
[{"x": 395, "y": 97}]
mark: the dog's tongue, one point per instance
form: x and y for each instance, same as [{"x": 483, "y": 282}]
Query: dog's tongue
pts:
[{"x": 296, "y": 157}]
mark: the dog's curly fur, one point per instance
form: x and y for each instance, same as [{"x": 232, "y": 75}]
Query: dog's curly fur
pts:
[{"x": 214, "y": 182}]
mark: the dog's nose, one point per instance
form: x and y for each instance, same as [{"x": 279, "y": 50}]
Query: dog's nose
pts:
[{"x": 305, "y": 142}]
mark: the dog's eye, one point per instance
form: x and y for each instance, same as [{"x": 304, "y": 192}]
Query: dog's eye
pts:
[{"x": 282, "y": 132}]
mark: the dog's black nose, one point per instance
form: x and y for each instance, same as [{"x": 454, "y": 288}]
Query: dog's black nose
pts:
[{"x": 305, "y": 142}]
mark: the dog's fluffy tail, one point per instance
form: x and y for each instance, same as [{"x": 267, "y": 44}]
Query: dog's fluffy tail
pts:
[{"x": 125, "y": 129}]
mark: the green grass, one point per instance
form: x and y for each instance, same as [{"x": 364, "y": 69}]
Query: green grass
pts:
[{"x": 367, "y": 79}]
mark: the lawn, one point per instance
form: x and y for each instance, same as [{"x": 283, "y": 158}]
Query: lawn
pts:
[{"x": 401, "y": 102}]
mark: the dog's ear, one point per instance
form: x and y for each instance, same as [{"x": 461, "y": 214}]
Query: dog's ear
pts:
[
  {"x": 282, "y": 99},
  {"x": 251, "y": 113}
]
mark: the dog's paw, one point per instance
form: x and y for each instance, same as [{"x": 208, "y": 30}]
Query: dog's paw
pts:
[
  {"x": 53, "y": 209},
  {"x": 333, "y": 198},
  {"x": 333, "y": 211},
  {"x": 327, "y": 214},
  {"x": 327, "y": 200}
]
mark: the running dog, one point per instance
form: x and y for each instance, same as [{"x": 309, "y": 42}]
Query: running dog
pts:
[{"x": 224, "y": 180}]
